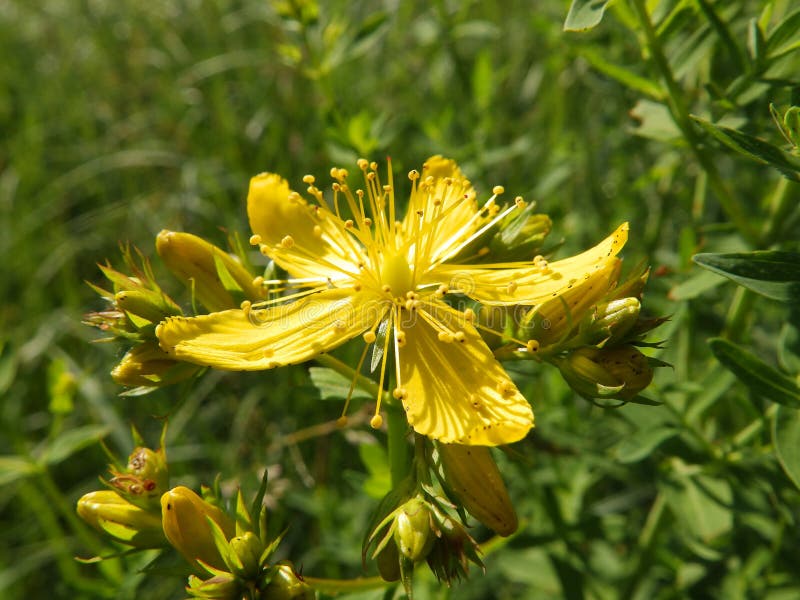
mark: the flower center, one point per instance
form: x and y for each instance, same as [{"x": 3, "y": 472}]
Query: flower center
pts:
[{"x": 396, "y": 273}]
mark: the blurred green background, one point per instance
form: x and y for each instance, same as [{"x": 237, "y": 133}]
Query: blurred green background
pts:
[{"x": 122, "y": 118}]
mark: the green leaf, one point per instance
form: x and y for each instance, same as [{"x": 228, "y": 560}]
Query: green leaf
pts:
[
  {"x": 643, "y": 442},
  {"x": 694, "y": 286},
  {"x": 785, "y": 37},
  {"x": 15, "y": 467},
  {"x": 754, "y": 148},
  {"x": 72, "y": 441},
  {"x": 333, "y": 385},
  {"x": 376, "y": 461},
  {"x": 772, "y": 274},
  {"x": 786, "y": 438},
  {"x": 584, "y": 14},
  {"x": 621, "y": 74},
  {"x": 762, "y": 379},
  {"x": 701, "y": 503}
]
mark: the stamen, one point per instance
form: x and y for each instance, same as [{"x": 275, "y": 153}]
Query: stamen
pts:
[
  {"x": 287, "y": 242},
  {"x": 376, "y": 422},
  {"x": 255, "y": 239},
  {"x": 532, "y": 346}
]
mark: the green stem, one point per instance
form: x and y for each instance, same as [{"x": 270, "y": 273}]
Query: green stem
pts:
[
  {"x": 338, "y": 586},
  {"x": 736, "y": 320},
  {"x": 781, "y": 206},
  {"x": 680, "y": 114},
  {"x": 755, "y": 428},
  {"x": 645, "y": 544},
  {"x": 365, "y": 383},
  {"x": 399, "y": 450}
]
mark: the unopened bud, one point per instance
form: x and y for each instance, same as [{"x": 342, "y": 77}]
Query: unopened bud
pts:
[
  {"x": 610, "y": 321},
  {"x": 620, "y": 372},
  {"x": 111, "y": 514},
  {"x": 213, "y": 274},
  {"x": 147, "y": 365},
  {"x": 286, "y": 584},
  {"x": 145, "y": 307},
  {"x": 145, "y": 479},
  {"x": 412, "y": 532},
  {"x": 247, "y": 548},
  {"x": 472, "y": 475},
  {"x": 223, "y": 586},
  {"x": 185, "y": 520}
]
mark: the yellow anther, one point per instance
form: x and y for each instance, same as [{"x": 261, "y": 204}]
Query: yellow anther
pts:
[
  {"x": 362, "y": 163},
  {"x": 255, "y": 239},
  {"x": 367, "y": 221},
  {"x": 413, "y": 175},
  {"x": 308, "y": 179},
  {"x": 411, "y": 295},
  {"x": 336, "y": 187},
  {"x": 317, "y": 231},
  {"x": 442, "y": 290},
  {"x": 512, "y": 287},
  {"x": 400, "y": 336},
  {"x": 264, "y": 249},
  {"x": 498, "y": 189},
  {"x": 348, "y": 224},
  {"x": 386, "y": 289},
  {"x": 287, "y": 242},
  {"x": 411, "y": 304},
  {"x": 245, "y": 306},
  {"x": 369, "y": 337},
  {"x": 341, "y": 422},
  {"x": 399, "y": 393},
  {"x": 538, "y": 259},
  {"x": 294, "y": 196},
  {"x": 446, "y": 337},
  {"x": 376, "y": 421},
  {"x": 532, "y": 346},
  {"x": 519, "y": 202},
  {"x": 334, "y": 171},
  {"x": 469, "y": 315},
  {"x": 373, "y": 165},
  {"x": 460, "y": 337},
  {"x": 387, "y": 188},
  {"x": 258, "y": 281}
]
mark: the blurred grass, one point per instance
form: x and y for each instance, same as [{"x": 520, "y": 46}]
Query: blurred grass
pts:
[{"x": 122, "y": 118}]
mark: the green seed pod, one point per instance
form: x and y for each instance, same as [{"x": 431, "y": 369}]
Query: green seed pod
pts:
[
  {"x": 185, "y": 518},
  {"x": 620, "y": 372},
  {"x": 111, "y": 514}
]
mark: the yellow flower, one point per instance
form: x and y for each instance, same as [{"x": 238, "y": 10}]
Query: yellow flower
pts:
[{"x": 357, "y": 269}]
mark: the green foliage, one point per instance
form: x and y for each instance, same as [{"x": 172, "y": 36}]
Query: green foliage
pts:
[{"x": 120, "y": 119}]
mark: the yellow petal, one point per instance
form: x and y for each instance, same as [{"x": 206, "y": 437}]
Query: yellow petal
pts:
[
  {"x": 456, "y": 392},
  {"x": 266, "y": 338},
  {"x": 319, "y": 248},
  {"x": 505, "y": 285},
  {"x": 451, "y": 221}
]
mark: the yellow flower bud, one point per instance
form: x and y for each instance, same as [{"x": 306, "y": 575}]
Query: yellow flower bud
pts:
[
  {"x": 185, "y": 520},
  {"x": 147, "y": 365},
  {"x": 212, "y": 273},
  {"x": 110, "y": 513},
  {"x": 473, "y": 477}
]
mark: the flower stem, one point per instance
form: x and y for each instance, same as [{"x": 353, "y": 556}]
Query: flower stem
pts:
[
  {"x": 680, "y": 114},
  {"x": 399, "y": 450}
]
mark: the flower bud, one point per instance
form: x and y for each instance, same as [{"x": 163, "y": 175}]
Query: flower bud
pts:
[
  {"x": 453, "y": 550},
  {"x": 147, "y": 365},
  {"x": 247, "y": 548},
  {"x": 552, "y": 322},
  {"x": 286, "y": 584},
  {"x": 110, "y": 513},
  {"x": 213, "y": 274},
  {"x": 471, "y": 474},
  {"x": 519, "y": 237},
  {"x": 145, "y": 307},
  {"x": 620, "y": 372},
  {"x": 412, "y": 532},
  {"x": 610, "y": 321},
  {"x": 185, "y": 518},
  {"x": 223, "y": 586}
]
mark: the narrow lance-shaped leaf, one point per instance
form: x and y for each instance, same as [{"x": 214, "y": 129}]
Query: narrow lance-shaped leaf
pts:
[
  {"x": 786, "y": 437},
  {"x": 754, "y": 148},
  {"x": 761, "y": 378},
  {"x": 772, "y": 274}
]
